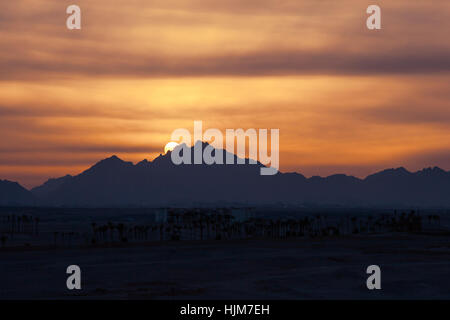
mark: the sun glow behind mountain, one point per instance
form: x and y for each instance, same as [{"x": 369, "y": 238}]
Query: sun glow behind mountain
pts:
[{"x": 170, "y": 146}]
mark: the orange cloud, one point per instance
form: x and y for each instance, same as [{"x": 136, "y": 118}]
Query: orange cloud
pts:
[{"x": 344, "y": 98}]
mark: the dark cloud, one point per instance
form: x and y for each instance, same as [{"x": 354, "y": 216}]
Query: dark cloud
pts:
[
  {"x": 68, "y": 109},
  {"x": 332, "y": 62},
  {"x": 39, "y": 162},
  {"x": 411, "y": 115},
  {"x": 412, "y": 40},
  {"x": 88, "y": 148}
]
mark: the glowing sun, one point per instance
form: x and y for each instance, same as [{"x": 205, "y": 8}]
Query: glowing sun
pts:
[{"x": 170, "y": 146}]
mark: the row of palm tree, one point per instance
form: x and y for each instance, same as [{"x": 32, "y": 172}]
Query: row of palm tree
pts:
[
  {"x": 19, "y": 224},
  {"x": 184, "y": 224},
  {"x": 222, "y": 224}
]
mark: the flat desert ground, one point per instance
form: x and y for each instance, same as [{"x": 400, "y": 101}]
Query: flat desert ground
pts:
[{"x": 413, "y": 266}]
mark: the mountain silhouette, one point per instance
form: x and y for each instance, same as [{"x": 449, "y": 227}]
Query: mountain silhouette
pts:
[
  {"x": 113, "y": 182},
  {"x": 12, "y": 194}
]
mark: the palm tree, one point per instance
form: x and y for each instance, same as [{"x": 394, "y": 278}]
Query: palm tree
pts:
[
  {"x": 438, "y": 220},
  {"x": 94, "y": 231},
  {"x": 161, "y": 232},
  {"x": 208, "y": 225},
  {"x": 19, "y": 220},
  {"x": 36, "y": 223},
  {"x": 3, "y": 240},
  {"x": 110, "y": 227},
  {"x": 120, "y": 229},
  {"x": 354, "y": 221},
  {"x": 55, "y": 235},
  {"x": 201, "y": 229}
]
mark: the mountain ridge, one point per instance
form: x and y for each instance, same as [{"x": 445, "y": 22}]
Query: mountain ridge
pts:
[
  {"x": 115, "y": 182},
  {"x": 12, "y": 194}
]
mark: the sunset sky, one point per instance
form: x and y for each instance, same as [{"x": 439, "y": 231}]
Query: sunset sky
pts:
[{"x": 346, "y": 99}]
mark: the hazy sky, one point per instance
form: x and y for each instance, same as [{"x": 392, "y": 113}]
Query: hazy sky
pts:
[{"x": 345, "y": 99}]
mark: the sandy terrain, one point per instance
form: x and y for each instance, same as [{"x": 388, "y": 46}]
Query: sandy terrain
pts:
[{"x": 413, "y": 266}]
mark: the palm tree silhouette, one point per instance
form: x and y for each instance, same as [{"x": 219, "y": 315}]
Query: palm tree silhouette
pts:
[{"x": 3, "y": 239}]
